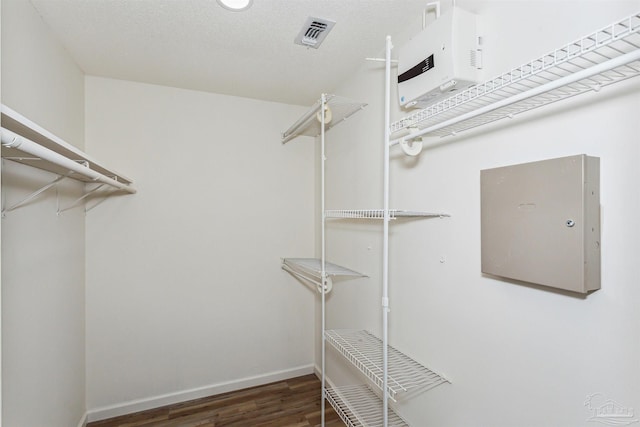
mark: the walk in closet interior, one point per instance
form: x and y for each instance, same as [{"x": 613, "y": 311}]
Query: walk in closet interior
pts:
[{"x": 436, "y": 216}]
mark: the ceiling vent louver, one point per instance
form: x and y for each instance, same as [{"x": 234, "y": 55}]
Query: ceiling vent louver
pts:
[{"x": 314, "y": 32}]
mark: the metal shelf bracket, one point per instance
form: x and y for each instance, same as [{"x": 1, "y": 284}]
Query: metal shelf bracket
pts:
[
  {"x": 35, "y": 194},
  {"x": 79, "y": 200},
  {"x": 328, "y": 283}
]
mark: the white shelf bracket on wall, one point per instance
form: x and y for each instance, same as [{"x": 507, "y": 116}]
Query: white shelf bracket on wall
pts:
[
  {"x": 33, "y": 195},
  {"x": 79, "y": 199},
  {"x": 104, "y": 197}
]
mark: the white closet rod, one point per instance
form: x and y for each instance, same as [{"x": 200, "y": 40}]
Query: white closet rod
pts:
[
  {"x": 13, "y": 140},
  {"x": 572, "y": 78}
]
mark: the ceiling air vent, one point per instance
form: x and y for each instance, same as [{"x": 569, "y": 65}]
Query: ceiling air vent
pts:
[{"x": 314, "y": 32}]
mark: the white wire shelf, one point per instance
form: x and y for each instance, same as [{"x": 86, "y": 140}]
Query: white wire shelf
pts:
[
  {"x": 604, "y": 57},
  {"x": 309, "y": 125},
  {"x": 310, "y": 270},
  {"x": 52, "y": 153},
  {"x": 379, "y": 214},
  {"x": 313, "y": 267},
  {"x": 359, "y": 406},
  {"x": 364, "y": 351}
]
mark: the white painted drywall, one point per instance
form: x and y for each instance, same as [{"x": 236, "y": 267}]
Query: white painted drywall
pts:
[
  {"x": 184, "y": 285},
  {"x": 43, "y": 338},
  {"x": 516, "y": 354},
  {"x": 40, "y": 79}
]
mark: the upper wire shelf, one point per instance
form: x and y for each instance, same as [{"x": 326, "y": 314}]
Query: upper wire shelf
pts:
[
  {"x": 339, "y": 109},
  {"x": 379, "y": 214},
  {"x": 364, "y": 351},
  {"x": 313, "y": 267},
  {"x": 604, "y": 57},
  {"x": 310, "y": 270},
  {"x": 359, "y": 406}
]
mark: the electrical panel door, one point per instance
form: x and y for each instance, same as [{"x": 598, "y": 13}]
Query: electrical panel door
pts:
[{"x": 540, "y": 222}]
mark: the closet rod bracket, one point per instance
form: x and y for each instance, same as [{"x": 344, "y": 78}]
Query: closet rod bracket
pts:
[
  {"x": 79, "y": 200},
  {"x": 35, "y": 194}
]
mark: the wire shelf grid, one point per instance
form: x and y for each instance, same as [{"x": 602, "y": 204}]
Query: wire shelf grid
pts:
[
  {"x": 620, "y": 40},
  {"x": 359, "y": 406},
  {"x": 364, "y": 351},
  {"x": 309, "y": 270},
  {"x": 313, "y": 266},
  {"x": 379, "y": 214},
  {"x": 309, "y": 125}
]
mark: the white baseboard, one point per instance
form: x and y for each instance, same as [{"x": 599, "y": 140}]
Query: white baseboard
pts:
[
  {"x": 83, "y": 421},
  {"x": 317, "y": 371},
  {"x": 124, "y": 408}
]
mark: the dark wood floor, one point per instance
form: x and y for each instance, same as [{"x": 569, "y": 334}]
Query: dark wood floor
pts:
[{"x": 290, "y": 403}]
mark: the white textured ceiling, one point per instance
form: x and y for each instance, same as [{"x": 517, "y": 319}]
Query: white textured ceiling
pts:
[{"x": 196, "y": 44}]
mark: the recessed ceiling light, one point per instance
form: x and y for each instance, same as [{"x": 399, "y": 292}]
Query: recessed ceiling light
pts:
[{"x": 236, "y": 5}]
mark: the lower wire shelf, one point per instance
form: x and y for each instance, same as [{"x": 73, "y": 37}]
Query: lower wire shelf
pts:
[
  {"x": 359, "y": 406},
  {"x": 364, "y": 351}
]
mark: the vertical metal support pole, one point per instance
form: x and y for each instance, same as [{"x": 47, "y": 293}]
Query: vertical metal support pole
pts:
[
  {"x": 323, "y": 274},
  {"x": 1, "y": 252},
  {"x": 385, "y": 243}
]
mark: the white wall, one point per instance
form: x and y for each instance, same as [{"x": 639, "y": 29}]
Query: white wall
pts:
[
  {"x": 516, "y": 354},
  {"x": 43, "y": 340},
  {"x": 184, "y": 287},
  {"x": 40, "y": 79}
]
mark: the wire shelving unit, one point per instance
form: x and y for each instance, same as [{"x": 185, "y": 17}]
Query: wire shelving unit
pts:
[
  {"x": 364, "y": 351},
  {"x": 327, "y": 112},
  {"x": 379, "y": 214},
  {"x": 599, "y": 59},
  {"x": 359, "y": 406}
]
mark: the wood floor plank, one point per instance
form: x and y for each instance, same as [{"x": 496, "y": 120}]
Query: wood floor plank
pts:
[{"x": 290, "y": 403}]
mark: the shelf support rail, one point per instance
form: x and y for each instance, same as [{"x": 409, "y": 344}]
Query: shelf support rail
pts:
[
  {"x": 328, "y": 283},
  {"x": 547, "y": 87},
  {"x": 35, "y": 194},
  {"x": 104, "y": 199},
  {"x": 13, "y": 140}
]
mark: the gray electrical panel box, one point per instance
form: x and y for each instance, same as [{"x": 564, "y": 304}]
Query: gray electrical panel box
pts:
[{"x": 541, "y": 222}]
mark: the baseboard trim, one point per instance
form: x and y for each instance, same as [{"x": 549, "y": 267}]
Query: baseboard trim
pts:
[
  {"x": 125, "y": 408},
  {"x": 83, "y": 420}
]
